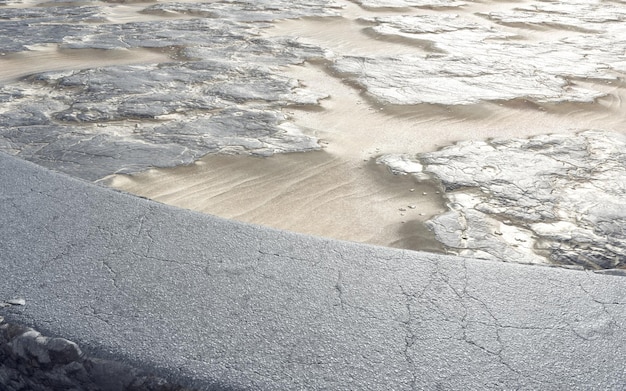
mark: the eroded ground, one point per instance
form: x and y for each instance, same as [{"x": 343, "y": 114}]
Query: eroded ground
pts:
[{"x": 214, "y": 90}]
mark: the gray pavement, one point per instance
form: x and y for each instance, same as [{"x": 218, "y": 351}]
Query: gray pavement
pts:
[{"x": 216, "y": 304}]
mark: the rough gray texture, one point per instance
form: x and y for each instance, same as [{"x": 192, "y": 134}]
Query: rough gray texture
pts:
[
  {"x": 87, "y": 122},
  {"x": 411, "y": 3},
  {"x": 209, "y": 303},
  {"x": 250, "y": 11},
  {"x": 46, "y": 25},
  {"x": 555, "y": 198},
  {"x": 30, "y": 361},
  {"x": 75, "y": 27},
  {"x": 221, "y": 92}
]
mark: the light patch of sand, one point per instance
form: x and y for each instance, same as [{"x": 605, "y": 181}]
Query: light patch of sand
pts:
[
  {"x": 51, "y": 58},
  {"x": 314, "y": 193},
  {"x": 356, "y": 127}
]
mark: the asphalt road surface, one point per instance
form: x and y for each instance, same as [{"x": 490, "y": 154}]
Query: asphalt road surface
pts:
[{"x": 216, "y": 304}]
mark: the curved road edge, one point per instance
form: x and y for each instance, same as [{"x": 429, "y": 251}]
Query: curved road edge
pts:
[{"x": 215, "y": 304}]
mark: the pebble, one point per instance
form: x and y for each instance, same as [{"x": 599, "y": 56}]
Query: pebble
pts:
[
  {"x": 18, "y": 301},
  {"x": 412, "y": 206}
]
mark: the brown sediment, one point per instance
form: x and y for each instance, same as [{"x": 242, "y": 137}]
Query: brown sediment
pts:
[
  {"x": 51, "y": 58},
  {"x": 314, "y": 193},
  {"x": 356, "y": 125}
]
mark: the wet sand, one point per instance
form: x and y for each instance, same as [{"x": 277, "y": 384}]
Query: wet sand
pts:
[
  {"x": 314, "y": 193},
  {"x": 51, "y": 58}
]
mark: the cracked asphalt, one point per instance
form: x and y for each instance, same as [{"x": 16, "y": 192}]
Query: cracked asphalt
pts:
[{"x": 216, "y": 304}]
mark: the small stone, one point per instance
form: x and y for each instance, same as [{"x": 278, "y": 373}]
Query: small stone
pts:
[
  {"x": 32, "y": 344},
  {"x": 411, "y": 190},
  {"x": 412, "y": 206},
  {"x": 62, "y": 351},
  {"x": 18, "y": 301},
  {"x": 497, "y": 233},
  {"x": 424, "y": 193},
  {"x": 76, "y": 370},
  {"x": 402, "y": 209}
]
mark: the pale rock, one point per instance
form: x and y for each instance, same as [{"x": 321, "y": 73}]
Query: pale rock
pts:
[
  {"x": 472, "y": 62},
  {"x": 411, "y": 3},
  {"x": 554, "y": 198}
]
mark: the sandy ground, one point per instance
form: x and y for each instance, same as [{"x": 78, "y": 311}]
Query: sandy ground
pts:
[
  {"x": 340, "y": 191},
  {"x": 51, "y": 58},
  {"x": 315, "y": 193}
]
